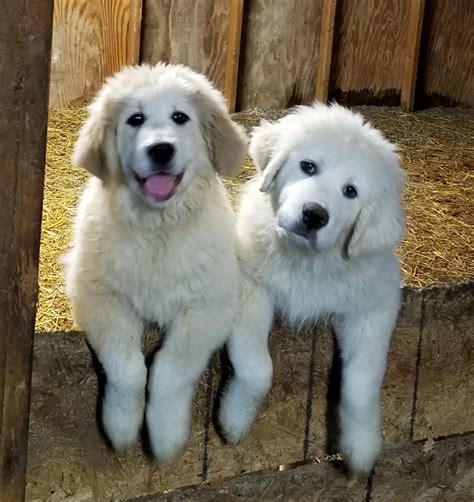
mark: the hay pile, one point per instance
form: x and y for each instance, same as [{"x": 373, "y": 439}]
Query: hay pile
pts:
[{"x": 437, "y": 147}]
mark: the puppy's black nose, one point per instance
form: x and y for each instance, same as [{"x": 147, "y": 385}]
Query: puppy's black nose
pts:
[
  {"x": 314, "y": 216},
  {"x": 161, "y": 153}
]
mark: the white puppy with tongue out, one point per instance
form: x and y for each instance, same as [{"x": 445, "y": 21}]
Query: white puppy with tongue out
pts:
[{"x": 154, "y": 242}]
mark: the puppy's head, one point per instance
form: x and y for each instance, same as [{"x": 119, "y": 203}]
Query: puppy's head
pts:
[
  {"x": 155, "y": 128},
  {"x": 334, "y": 180}
]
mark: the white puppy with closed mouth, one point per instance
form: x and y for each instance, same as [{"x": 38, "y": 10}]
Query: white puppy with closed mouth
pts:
[
  {"x": 316, "y": 231},
  {"x": 154, "y": 241}
]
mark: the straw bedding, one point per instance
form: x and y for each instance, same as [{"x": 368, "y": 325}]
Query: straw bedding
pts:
[{"x": 437, "y": 148}]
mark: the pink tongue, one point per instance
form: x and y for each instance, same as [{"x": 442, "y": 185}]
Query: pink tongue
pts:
[{"x": 159, "y": 186}]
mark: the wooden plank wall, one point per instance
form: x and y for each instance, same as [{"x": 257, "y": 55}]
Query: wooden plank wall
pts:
[
  {"x": 447, "y": 57},
  {"x": 279, "y": 49},
  {"x": 192, "y": 33},
  {"x": 368, "y": 50},
  {"x": 91, "y": 40},
  {"x": 279, "y": 53}
]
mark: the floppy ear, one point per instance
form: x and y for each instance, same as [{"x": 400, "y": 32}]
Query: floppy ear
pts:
[
  {"x": 95, "y": 148},
  {"x": 226, "y": 140},
  {"x": 262, "y": 150},
  {"x": 379, "y": 225}
]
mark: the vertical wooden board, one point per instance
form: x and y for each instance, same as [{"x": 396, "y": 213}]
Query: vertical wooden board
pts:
[
  {"x": 325, "y": 50},
  {"x": 411, "y": 54},
  {"x": 190, "y": 33},
  {"x": 279, "y": 50},
  {"x": 277, "y": 436},
  {"x": 444, "y": 403},
  {"x": 233, "y": 52},
  {"x": 368, "y": 44},
  {"x": 447, "y": 58},
  {"x": 91, "y": 40},
  {"x": 25, "y": 44},
  {"x": 68, "y": 457}
]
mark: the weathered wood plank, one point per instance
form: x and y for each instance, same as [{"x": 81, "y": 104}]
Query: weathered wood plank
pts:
[
  {"x": 25, "y": 43},
  {"x": 325, "y": 50},
  {"x": 412, "y": 53},
  {"x": 190, "y": 33},
  {"x": 91, "y": 40},
  {"x": 68, "y": 457},
  {"x": 444, "y": 403},
  {"x": 447, "y": 59},
  {"x": 368, "y": 41},
  {"x": 233, "y": 52},
  {"x": 279, "y": 50}
]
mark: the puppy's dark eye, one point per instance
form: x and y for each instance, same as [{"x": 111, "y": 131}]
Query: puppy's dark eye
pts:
[
  {"x": 136, "y": 120},
  {"x": 180, "y": 118},
  {"x": 308, "y": 167},
  {"x": 350, "y": 191}
]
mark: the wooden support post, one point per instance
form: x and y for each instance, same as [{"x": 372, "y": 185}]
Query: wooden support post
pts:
[
  {"x": 325, "y": 50},
  {"x": 233, "y": 52},
  {"x": 412, "y": 53},
  {"x": 25, "y": 45},
  {"x": 133, "y": 40}
]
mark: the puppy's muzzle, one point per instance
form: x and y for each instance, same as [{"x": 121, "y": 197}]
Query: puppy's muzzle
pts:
[
  {"x": 160, "y": 155},
  {"x": 314, "y": 216}
]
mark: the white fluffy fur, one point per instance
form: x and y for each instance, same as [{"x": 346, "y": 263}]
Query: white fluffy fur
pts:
[
  {"x": 173, "y": 263},
  {"x": 347, "y": 272}
]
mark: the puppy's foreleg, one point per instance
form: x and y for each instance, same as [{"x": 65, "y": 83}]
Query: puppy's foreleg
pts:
[
  {"x": 114, "y": 332},
  {"x": 191, "y": 339},
  {"x": 364, "y": 341},
  {"x": 248, "y": 352}
]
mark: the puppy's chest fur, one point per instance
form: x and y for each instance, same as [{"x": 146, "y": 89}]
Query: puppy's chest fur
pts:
[
  {"x": 164, "y": 267},
  {"x": 306, "y": 287},
  {"x": 309, "y": 289}
]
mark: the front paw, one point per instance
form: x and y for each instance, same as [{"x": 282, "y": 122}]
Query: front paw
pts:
[
  {"x": 360, "y": 450},
  {"x": 122, "y": 420},
  {"x": 236, "y": 418},
  {"x": 167, "y": 436}
]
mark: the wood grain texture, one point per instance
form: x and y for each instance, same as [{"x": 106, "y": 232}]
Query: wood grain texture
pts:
[
  {"x": 69, "y": 460},
  {"x": 190, "y": 33},
  {"x": 447, "y": 59},
  {"x": 25, "y": 44},
  {"x": 91, "y": 40},
  {"x": 280, "y": 47},
  {"x": 233, "y": 52},
  {"x": 412, "y": 53},
  {"x": 369, "y": 42},
  {"x": 277, "y": 437},
  {"x": 444, "y": 402},
  {"x": 325, "y": 50}
]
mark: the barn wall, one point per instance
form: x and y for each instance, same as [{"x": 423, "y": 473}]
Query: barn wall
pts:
[
  {"x": 192, "y": 33},
  {"x": 369, "y": 42},
  {"x": 279, "y": 48},
  {"x": 279, "y": 53},
  {"x": 447, "y": 55},
  {"x": 91, "y": 40}
]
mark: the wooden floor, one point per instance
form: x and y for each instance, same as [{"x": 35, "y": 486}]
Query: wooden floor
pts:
[{"x": 427, "y": 395}]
